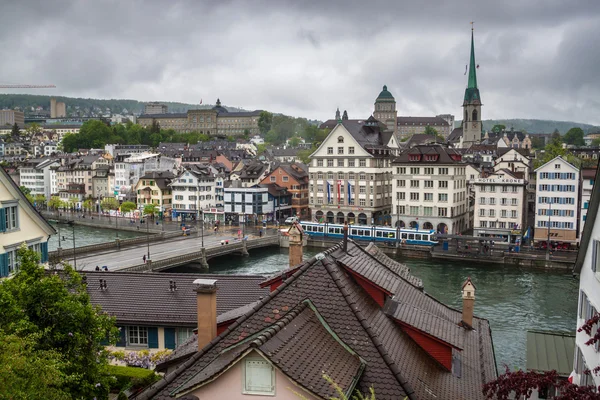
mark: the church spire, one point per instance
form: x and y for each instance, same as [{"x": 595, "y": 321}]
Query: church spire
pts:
[{"x": 472, "y": 92}]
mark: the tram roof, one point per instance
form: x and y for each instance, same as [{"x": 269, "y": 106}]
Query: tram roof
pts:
[{"x": 468, "y": 237}]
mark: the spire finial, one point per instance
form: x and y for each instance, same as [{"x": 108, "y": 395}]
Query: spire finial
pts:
[{"x": 472, "y": 26}]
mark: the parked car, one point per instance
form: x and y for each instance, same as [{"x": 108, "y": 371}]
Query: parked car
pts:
[{"x": 291, "y": 220}]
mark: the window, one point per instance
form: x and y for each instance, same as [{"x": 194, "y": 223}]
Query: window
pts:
[
  {"x": 428, "y": 184},
  {"x": 443, "y": 171},
  {"x": 414, "y": 196},
  {"x": 340, "y": 162},
  {"x": 414, "y": 210},
  {"x": 351, "y": 162},
  {"x": 351, "y": 150},
  {"x": 428, "y": 196},
  {"x": 362, "y": 176},
  {"x": 414, "y": 184},
  {"x": 319, "y": 163},
  {"x": 259, "y": 377},
  {"x": 401, "y": 170},
  {"x": 330, "y": 150},
  {"x": 401, "y": 183},
  {"x": 400, "y": 196},
  {"x": 362, "y": 189},
  {"x": 513, "y": 214},
  {"x": 340, "y": 177},
  {"x": 11, "y": 218},
  {"x": 556, "y": 166},
  {"x": 443, "y": 197},
  {"x": 428, "y": 211},
  {"x": 414, "y": 171},
  {"x": 351, "y": 175},
  {"x": 442, "y": 212},
  {"x": 362, "y": 202},
  {"x": 482, "y": 212},
  {"x": 319, "y": 175},
  {"x": 330, "y": 163},
  {"x": 340, "y": 150},
  {"x": 340, "y": 139},
  {"x": 492, "y": 201},
  {"x": 273, "y": 179},
  {"x": 443, "y": 184},
  {"x": 330, "y": 175},
  {"x": 362, "y": 162},
  {"x": 503, "y": 213},
  {"x": 137, "y": 335},
  {"x": 493, "y": 213},
  {"x": 183, "y": 334},
  {"x": 428, "y": 171}
]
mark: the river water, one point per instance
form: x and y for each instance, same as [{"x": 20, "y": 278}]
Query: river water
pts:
[
  {"x": 513, "y": 299},
  {"x": 84, "y": 236}
]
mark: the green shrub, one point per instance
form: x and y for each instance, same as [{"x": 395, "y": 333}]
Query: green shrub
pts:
[{"x": 131, "y": 377}]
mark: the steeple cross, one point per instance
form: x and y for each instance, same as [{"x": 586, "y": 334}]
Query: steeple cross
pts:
[{"x": 472, "y": 22}]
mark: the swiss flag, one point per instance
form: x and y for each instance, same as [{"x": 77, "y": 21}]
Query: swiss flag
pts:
[{"x": 572, "y": 376}]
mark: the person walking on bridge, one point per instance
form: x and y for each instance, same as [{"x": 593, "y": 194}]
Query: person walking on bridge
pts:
[{"x": 144, "y": 258}]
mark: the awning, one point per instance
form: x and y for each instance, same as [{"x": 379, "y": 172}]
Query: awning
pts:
[{"x": 547, "y": 351}]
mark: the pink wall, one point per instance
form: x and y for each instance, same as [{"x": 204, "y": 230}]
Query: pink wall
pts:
[{"x": 229, "y": 386}]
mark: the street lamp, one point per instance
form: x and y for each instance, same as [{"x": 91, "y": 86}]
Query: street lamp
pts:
[{"x": 548, "y": 241}]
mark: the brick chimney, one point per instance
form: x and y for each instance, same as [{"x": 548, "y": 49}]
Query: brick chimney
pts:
[
  {"x": 206, "y": 295},
  {"x": 295, "y": 235},
  {"x": 468, "y": 296}
]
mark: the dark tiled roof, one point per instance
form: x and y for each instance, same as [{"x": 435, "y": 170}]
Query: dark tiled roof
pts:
[
  {"x": 444, "y": 154},
  {"x": 455, "y": 135},
  {"x": 396, "y": 366},
  {"x": 399, "y": 269},
  {"x": 162, "y": 178},
  {"x": 283, "y": 343},
  {"x": 145, "y": 298},
  {"x": 423, "y": 121},
  {"x": 422, "y": 138},
  {"x": 163, "y": 116}
]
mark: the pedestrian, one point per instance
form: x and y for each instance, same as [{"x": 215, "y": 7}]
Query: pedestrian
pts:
[
  {"x": 260, "y": 233},
  {"x": 97, "y": 268},
  {"x": 144, "y": 258},
  {"x": 215, "y": 229}
]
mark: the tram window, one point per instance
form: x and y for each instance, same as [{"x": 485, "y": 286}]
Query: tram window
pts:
[
  {"x": 403, "y": 236},
  {"x": 367, "y": 233},
  {"x": 308, "y": 228},
  {"x": 353, "y": 232},
  {"x": 321, "y": 229},
  {"x": 391, "y": 235},
  {"x": 426, "y": 237},
  {"x": 411, "y": 236},
  {"x": 418, "y": 236},
  {"x": 378, "y": 234}
]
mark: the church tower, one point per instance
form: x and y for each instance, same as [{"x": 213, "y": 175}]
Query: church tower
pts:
[
  {"x": 385, "y": 110},
  {"x": 472, "y": 105}
]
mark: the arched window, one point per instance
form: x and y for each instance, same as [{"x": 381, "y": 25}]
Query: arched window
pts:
[
  {"x": 474, "y": 115},
  {"x": 466, "y": 116},
  {"x": 340, "y": 139}
]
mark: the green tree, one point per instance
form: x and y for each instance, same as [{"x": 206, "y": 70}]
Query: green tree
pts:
[
  {"x": 271, "y": 137},
  {"x": 429, "y": 130},
  {"x": 260, "y": 148},
  {"x": 155, "y": 128},
  {"x": 109, "y": 203},
  {"x": 32, "y": 129},
  {"x": 265, "y": 120},
  {"x": 40, "y": 200},
  {"x": 294, "y": 141},
  {"x": 56, "y": 310},
  {"x": 498, "y": 128},
  {"x": 88, "y": 205},
  {"x": 55, "y": 203},
  {"x": 596, "y": 142},
  {"x": 304, "y": 155},
  {"x": 27, "y": 373},
  {"x": 574, "y": 136},
  {"x": 25, "y": 190},
  {"x": 71, "y": 203},
  {"x": 15, "y": 132},
  {"x": 149, "y": 209},
  {"x": 537, "y": 142},
  {"x": 128, "y": 206}
]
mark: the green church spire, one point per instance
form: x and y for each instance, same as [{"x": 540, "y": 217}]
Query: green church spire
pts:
[{"x": 472, "y": 92}]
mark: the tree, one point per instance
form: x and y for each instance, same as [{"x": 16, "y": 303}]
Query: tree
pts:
[
  {"x": 596, "y": 142},
  {"x": 498, "y": 128},
  {"x": 72, "y": 203},
  {"x": 304, "y": 155},
  {"x": 149, "y": 209},
  {"x": 265, "y": 119},
  {"x": 574, "y": 136},
  {"x": 40, "y": 200},
  {"x": 25, "y": 190},
  {"x": 54, "y": 311},
  {"x": 15, "y": 132},
  {"x": 155, "y": 128},
  {"x": 33, "y": 129},
  {"x": 260, "y": 148},
  {"x": 294, "y": 141},
  {"x": 128, "y": 206},
  {"x": 537, "y": 142},
  {"x": 109, "y": 203},
  {"x": 429, "y": 130},
  {"x": 88, "y": 205},
  {"x": 55, "y": 203}
]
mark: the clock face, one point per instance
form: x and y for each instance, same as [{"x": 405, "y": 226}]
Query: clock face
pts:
[{"x": 474, "y": 124}]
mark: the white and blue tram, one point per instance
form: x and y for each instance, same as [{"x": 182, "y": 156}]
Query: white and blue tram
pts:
[{"x": 371, "y": 233}]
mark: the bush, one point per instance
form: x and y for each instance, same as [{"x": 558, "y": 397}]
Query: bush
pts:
[{"x": 131, "y": 377}]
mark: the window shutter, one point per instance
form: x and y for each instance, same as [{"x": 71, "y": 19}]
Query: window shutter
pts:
[
  {"x": 169, "y": 338},
  {"x": 153, "y": 338},
  {"x": 44, "y": 250},
  {"x": 3, "y": 265},
  {"x": 122, "y": 342},
  {"x": 2, "y": 220}
]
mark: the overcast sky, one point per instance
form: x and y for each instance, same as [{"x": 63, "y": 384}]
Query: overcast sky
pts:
[{"x": 538, "y": 58}]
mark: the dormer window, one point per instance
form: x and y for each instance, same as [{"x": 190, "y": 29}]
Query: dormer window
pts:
[
  {"x": 414, "y": 157},
  {"x": 340, "y": 139}
]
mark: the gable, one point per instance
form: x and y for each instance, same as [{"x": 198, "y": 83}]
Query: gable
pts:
[{"x": 332, "y": 141}]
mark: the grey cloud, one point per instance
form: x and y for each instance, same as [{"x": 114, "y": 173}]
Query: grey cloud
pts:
[{"x": 538, "y": 58}]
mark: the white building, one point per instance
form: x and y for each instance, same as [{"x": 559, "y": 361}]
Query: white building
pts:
[
  {"x": 588, "y": 176},
  {"x": 247, "y": 201},
  {"x": 256, "y": 139},
  {"x": 19, "y": 223},
  {"x": 500, "y": 205},
  {"x": 430, "y": 189},
  {"x": 39, "y": 176},
  {"x": 349, "y": 174},
  {"x": 193, "y": 190},
  {"x": 50, "y": 148},
  {"x": 588, "y": 266},
  {"x": 557, "y": 202},
  {"x": 129, "y": 171}
]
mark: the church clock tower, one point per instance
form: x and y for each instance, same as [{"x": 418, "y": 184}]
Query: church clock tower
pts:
[{"x": 472, "y": 126}]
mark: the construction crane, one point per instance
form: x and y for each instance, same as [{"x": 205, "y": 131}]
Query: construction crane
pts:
[{"x": 16, "y": 86}]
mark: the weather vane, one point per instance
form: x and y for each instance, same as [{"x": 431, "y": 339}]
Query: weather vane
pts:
[{"x": 472, "y": 22}]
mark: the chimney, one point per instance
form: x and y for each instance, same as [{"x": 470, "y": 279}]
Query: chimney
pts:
[
  {"x": 206, "y": 295},
  {"x": 295, "y": 235},
  {"x": 345, "y": 236},
  {"x": 468, "y": 296}
]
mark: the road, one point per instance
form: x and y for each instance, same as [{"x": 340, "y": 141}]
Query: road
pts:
[{"x": 133, "y": 255}]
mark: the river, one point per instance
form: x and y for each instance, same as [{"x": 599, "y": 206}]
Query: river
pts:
[
  {"x": 84, "y": 236},
  {"x": 513, "y": 299}
]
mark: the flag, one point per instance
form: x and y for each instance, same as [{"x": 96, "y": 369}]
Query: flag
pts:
[
  {"x": 200, "y": 101},
  {"x": 339, "y": 189},
  {"x": 572, "y": 376},
  {"x": 328, "y": 192},
  {"x": 349, "y": 193},
  {"x": 526, "y": 233},
  {"x": 466, "y": 68}
]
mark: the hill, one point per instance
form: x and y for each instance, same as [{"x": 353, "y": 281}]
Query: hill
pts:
[
  {"x": 538, "y": 125},
  {"x": 27, "y": 101}
]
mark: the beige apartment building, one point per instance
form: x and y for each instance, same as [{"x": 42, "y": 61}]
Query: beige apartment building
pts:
[
  {"x": 216, "y": 121},
  {"x": 10, "y": 117}
]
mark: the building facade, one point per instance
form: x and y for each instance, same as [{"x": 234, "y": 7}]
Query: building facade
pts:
[
  {"x": 130, "y": 169},
  {"x": 430, "y": 191},
  {"x": 588, "y": 176},
  {"x": 9, "y": 117},
  {"x": 500, "y": 206},
  {"x": 385, "y": 110},
  {"x": 20, "y": 224},
  {"x": 247, "y": 202},
  {"x": 155, "y": 108},
  {"x": 153, "y": 188},
  {"x": 472, "y": 125},
  {"x": 349, "y": 174},
  {"x": 295, "y": 179},
  {"x": 587, "y": 265},
  {"x": 408, "y": 126},
  {"x": 557, "y": 205},
  {"x": 39, "y": 176},
  {"x": 216, "y": 121},
  {"x": 193, "y": 190}
]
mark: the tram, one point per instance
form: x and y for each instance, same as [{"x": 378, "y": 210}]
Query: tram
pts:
[{"x": 424, "y": 237}]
